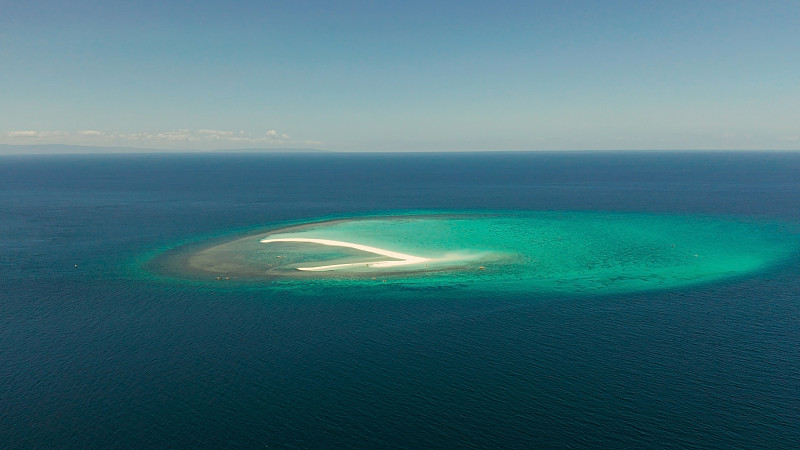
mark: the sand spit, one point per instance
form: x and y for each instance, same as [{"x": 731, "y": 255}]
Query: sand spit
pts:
[{"x": 401, "y": 259}]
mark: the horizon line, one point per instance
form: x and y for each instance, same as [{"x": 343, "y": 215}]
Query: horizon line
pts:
[{"x": 120, "y": 150}]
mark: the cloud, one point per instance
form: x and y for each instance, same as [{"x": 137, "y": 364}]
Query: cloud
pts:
[
  {"x": 36, "y": 134},
  {"x": 272, "y": 134},
  {"x": 218, "y": 133},
  {"x": 22, "y": 133},
  {"x": 183, "y": 138}
]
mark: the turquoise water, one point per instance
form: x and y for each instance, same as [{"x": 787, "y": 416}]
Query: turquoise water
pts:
[{"x": 550, "y": 252}]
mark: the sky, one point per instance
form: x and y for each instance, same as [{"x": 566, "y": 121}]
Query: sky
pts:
[{"x": 405, "y": 75}]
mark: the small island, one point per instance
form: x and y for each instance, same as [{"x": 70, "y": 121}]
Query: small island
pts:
[
  {"x": 399, "y": 259},
  {"x": 570, "y": 252}
]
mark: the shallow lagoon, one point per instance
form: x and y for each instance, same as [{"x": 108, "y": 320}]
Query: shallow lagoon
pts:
[{"x": 549, "y": 252}]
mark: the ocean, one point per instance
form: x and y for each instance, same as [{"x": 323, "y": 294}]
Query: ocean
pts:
[{"x": 99, "y": 350}]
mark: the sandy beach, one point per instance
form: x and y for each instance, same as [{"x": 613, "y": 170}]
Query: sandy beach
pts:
[{"x": 401, "y": 259}]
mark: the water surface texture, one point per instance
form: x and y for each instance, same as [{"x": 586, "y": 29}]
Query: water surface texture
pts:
[{"x": 586, "y": 327}]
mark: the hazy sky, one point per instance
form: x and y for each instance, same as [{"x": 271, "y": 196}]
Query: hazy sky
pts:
[{"x": 402, "y": 75}]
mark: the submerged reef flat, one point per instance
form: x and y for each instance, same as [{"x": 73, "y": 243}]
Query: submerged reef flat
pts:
[{"x": 568, "y": 252}]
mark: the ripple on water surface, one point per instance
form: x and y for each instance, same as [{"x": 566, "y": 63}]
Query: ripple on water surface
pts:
[{"x": 555, "y": 252}]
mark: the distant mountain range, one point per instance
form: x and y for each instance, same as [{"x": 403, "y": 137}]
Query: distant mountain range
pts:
[{"x": 60, "y": 149}]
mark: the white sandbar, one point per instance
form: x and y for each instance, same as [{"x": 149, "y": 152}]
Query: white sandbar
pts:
[{"x": 402, "y": 259}]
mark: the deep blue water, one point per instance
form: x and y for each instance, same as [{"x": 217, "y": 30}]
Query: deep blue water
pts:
[{"x": 98, "y": 355}]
